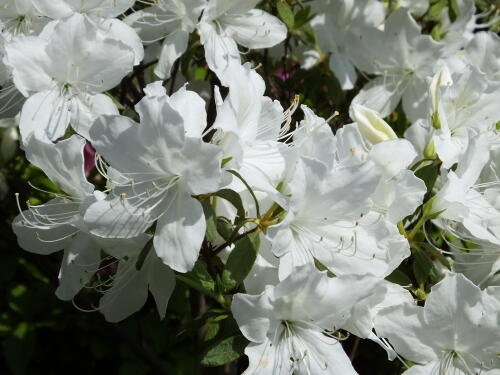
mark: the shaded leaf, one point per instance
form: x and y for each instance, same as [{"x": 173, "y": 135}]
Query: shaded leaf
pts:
[
  {"x": 225, "y": 351},
  {"x": 240, "y": 261}
]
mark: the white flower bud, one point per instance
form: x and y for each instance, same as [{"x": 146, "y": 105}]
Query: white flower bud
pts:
[{"x": 371, "y": 125}]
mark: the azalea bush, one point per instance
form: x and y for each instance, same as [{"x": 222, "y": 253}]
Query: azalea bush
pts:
[{"x": 250, "y": 187}]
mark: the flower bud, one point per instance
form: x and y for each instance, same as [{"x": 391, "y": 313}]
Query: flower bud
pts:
[
  {"x": 440, "y": 79},
  {"x": 371, "y": 125}
]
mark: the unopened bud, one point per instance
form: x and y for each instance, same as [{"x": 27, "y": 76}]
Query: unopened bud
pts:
[{"x": 371, "y": 125}]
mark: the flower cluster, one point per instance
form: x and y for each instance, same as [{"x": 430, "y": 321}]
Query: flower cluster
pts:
[{"x": 305, "y": 234}]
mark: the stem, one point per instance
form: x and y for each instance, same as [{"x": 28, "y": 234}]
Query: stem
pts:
[
  {"x": 417, "y": 227},
  {"x": 402, "y": 229},
  {"x": 218, "y": 249},
  {"x": 354, "y": 349},
  {"x": 173, "y": 77}
]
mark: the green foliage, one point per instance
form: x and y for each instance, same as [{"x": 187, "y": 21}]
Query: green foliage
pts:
[
  {"x": 224, "y": 351},
  {"x": 240, "y": 261}
]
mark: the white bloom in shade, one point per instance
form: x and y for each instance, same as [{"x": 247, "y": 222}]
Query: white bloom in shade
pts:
[
  {"x": 63, "y": 72},
  {"x": 226, "y": 23},
  {"x": 248, "y": 130},
  {"x": 402, "y": 58},
  {"x": 57, "y": 225},
  {"x": 96, "y": 8},
  {"x": 371, "y": 125},
  {"x": 102, "y": 13},
  {"x": 165, "y": 165},
  {"x": 456, "y": 332},
  {"x": 169, "y": 21},
  {"x": 19, "y": 17},
  {"x": 291, "y": 326},
  {"x": 337, "y": 25},
  {"x": 134, "y": 277}
]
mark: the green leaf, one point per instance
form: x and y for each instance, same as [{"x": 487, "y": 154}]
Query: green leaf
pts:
[
  {"x": 285, "y": 12},
  {"x": 453, "y": 10},
  {"x": 19, "y": 348},
  {"x": 437, "y": 36},
  {"x": 199, "y": 278},
  {"x": 434, "y": 253},
  {"x": 224, "y": 351},
  {"x": 234, "y": 198},
  {"x": 399, "y": 277},
  {"x": 429, "y": 175},
  {"x": 224, "y": 228},
  {"x": 210, "y": 219},
  {"x": 436, "y": 9},
  {"x": 302, "y": 17},
  {"x": 240, "y": 261},
  {"x": 422, "y": 267}
]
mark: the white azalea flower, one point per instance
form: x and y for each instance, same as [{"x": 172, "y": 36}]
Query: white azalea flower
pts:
[
  {"x": 402, "y": 58},
  {"x": 19, "y": 17},
  {"x": 483, "y": 52},
  {"x": 471, "y": 102},
  {"x": 169, "y": 21},
  {"x": 456, "y": 332},
  {"x": 248, "y": 130},
  {"x": 328, "y": 220},
  {"x": 102, "y": 13},
  {"x": 57, "y": 224},
  {"x": 166, "y": 163},
  {"x": 361, "y": 323},
  {"x": 134, "y": 277},
  {"x": 399, "y": 192},
  {"x": 287, "y": 336},
  {"x": 338, "y": 24},
  {"x": 465, "y": 202},
  {"x": 56, "y": 9},
  {"x": 63, "y": 72},
  {"x": 226, "y": 23}
]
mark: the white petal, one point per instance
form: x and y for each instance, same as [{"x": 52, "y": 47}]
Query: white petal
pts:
[
  {"x": 62, "y": 162},
  {"x": 383, "y": 155},
  {"x": 221, "y": 51},
  {"x": 380, "y": 94},
  {"x": 30, "y": 63},
  {"x": 161, "y": 283},
  {"x": 192, "y": 108},
  {"x": 42, "y": 241},
  {"x": 81, "y": 259},
  {"x": 119, "y": 30},
  {"x": 46, "y": 115},
  {"x": 180, "y": 232},
  {"x": 406, "y": 329},
  {"x": 254, "y": 29},
  {"x": 174, "y": 45},
  {"x": 86, "y": 109},
  {"x": 252, "y": 313},
  {"x": 128, "y": 293}
]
